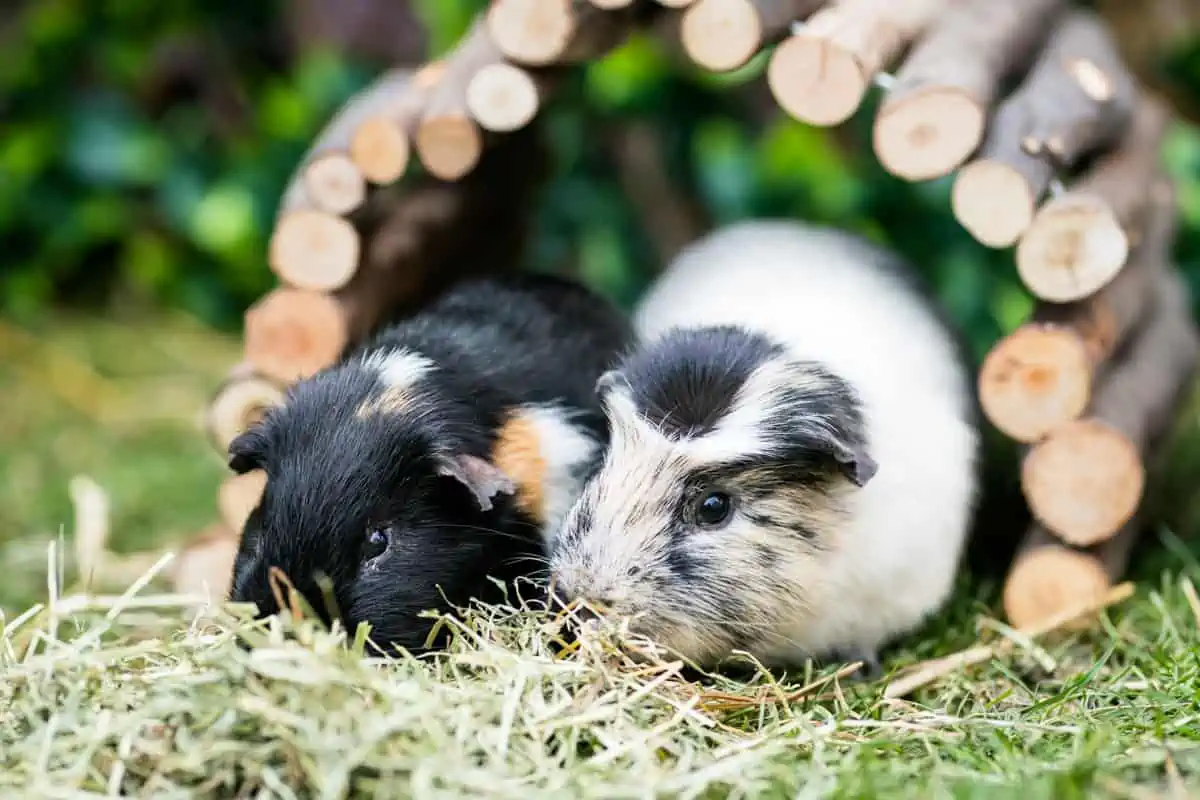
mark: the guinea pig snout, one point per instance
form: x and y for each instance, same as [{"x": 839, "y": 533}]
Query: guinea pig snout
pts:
[{"x": 575, "y": 585}]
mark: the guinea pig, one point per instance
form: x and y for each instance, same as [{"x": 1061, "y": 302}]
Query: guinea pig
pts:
[
  {"x": 425, "y": 466},
  {"x": 792, "y": 469}
]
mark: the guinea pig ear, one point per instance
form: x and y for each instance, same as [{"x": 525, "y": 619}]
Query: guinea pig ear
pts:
[
  {"x": 247, "y": 451},
  {"x": 481, "y": 478},
  {"x": 609, "y": 381},
  {"x": 854, "y": 462}
]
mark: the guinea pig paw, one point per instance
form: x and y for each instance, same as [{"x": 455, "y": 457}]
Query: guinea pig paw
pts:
[{"x": 871, "y": 669}]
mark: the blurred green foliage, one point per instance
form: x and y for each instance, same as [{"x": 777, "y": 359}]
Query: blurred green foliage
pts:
[{"x": 144, "y": 147}]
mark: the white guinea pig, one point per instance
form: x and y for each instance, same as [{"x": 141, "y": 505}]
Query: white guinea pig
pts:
[{"x": 793, "y": 463}]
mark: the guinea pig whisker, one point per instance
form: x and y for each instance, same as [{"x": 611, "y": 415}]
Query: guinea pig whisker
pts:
[{"x": 481, "y": 529}]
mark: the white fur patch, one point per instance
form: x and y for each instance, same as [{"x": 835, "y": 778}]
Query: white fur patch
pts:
[
  {"x": 565, "y": 447},
  {"x": 398, "y": 368}
]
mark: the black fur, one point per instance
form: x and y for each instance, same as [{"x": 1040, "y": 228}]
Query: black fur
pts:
[
  {"x": 333, "y": 475},
  {"x": 686, "y": 381}
]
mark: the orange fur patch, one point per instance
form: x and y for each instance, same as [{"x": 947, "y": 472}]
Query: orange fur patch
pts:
[
  {"x": 390, "y": 401},
  {"x": 518, "y": 454}
]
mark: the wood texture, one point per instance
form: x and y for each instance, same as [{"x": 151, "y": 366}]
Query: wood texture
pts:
[
  {"x": 933, "y": 117},
  {"x": 237, "y": 403},
  {"x": 722, "y": 35},
  {"x": 1077, "y": 99},
  {"x": 820, "y": 74},
  {"x": 1041, "y": 376},
  {"x": 1085, "y": 481},
  {"x": 1079, "y": 241}
]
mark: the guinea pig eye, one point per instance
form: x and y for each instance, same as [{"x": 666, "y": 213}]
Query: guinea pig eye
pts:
[
  {"x": 712, "y": 509},
  {"x": 377, "y": 542}
]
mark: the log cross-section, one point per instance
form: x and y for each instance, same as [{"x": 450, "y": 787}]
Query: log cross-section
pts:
[
  {"x": 1079, "y": 241},
  {"x": 1077, "y": 99},
  {"x": 933, "y": 117},
  {"x": 1040, "y": 376},
  {"x": 821, "y": 73},
  {"x": 1085, "y": 481},
  {"x": 722, "y": 35}
]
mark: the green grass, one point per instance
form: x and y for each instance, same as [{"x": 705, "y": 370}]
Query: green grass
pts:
[{"x": 101, "y": 694}]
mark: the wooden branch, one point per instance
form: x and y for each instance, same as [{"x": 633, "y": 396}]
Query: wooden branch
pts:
[
  {"x": 312, "y": 246},
  {"x": 545, "y": 32},
  {"x": 449, "y": 142},
  {"x": 428, "y": 236},
  {"x": 238, "y": 495},
  {"x": 238, "y": 403},
  {"x": 1077, "y": 99},
  {"x": 380, "y": 145},
  {"x": 1085, "y": 481},
  {"x": 1048, "y": 576},
  {"x": 821, "y": 74},
  {"x": 722, "y": 35},
  {"x": 1079, "y": 241},
  {"x": 1040, "y": 376},
  {"x": 933, "y": 117}
]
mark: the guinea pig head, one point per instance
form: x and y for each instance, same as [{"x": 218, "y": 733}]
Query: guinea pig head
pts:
[
  {"x": 376, "y": 483},
  {"x": 729, "y": 471}
]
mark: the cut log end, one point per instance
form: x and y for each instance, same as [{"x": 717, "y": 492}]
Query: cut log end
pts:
[
  {"x": 238, "y": 405},
  {"x": 721, "y": 35},
  {"x": 816, "y": 81},
  {"x": 502, "y": 97},
  {"x": 291, "y": 334},
  {"x": 1049, "y": 580},
  {"x": 237, "y": 497},
  {"x": 993, "y": 202},
  {"x": 314, "y": 250},
  {"x": 1034, "y": 380},
  {"x": 928, "y": 134},
  {"x": 334, "y": 183},
  {"x": 532, "y": 32},
  {"x": 449, "y": 146},
  {"x": 380, "y": 149},
  {"x": 611, "y": 5},
  {"x": 204, "y": 567},
  {"x": 1083, "y": 482},
  {"x": 1073, "y": 248}
]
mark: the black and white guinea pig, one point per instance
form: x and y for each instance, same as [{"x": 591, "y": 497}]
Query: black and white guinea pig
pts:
[
  {"x": 793, "y": 461},
  {"x": 430, "y": 460}
]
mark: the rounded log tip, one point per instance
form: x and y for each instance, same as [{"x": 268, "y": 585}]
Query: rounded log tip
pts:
[
  {"x": 449, "y": 147},
  {"x": 993, "y": 202},
  {"x": 611, "y": 5},
  {"x": 238, "y": 495},
  {"x": 380, "y": 149},
  {"x": 291, "y": 334},
  {"x": 314, "y": 250},
  {"x": 1083, "y": 482},
  {"x": 335, "y": 183},
  {"x": 721, "y": 35},
  {"x": 502, "y": 97},
  {"x": 238, "y": 405},
  {"x": 534, "y": 32},
  {"x": 928, "y": 134},
  {"x": 816, "y": 81},
  {"x": 1034, "y": 380},
  {"x": 1048, "y": 581},
  {"x": 1072, "y": 249}
]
